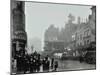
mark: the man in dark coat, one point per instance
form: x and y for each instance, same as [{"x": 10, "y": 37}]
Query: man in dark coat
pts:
[
  {"x": 56, "y": 66},
  {"x": 31, "y": 64},
  {"x": 38, "y": 63},
  {"x": 52, "y": 63},
  {"x": 46, "y": 64}
]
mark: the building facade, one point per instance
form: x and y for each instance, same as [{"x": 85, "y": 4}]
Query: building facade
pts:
[
  {"x": 86, "y": 32},
  {"x": 18, "y": 33}
]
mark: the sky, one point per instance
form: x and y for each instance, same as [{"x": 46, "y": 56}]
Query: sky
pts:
[{"x": 39, "y": 16}]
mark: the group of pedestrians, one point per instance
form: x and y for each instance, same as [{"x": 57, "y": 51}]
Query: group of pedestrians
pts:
[{"x": 34, "y": 63}]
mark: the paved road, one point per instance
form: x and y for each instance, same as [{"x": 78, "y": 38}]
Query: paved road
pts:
[
  {"x": 74, "y": 65},
  {"x": 71, "y": 65}
]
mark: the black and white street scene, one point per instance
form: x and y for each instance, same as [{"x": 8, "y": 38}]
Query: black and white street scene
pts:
[{"x": 52, "y": 37}]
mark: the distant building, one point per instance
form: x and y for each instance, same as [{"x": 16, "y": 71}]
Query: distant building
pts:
[
  {"x": 66, "y": 33},
  {"x": 75, "y": 35},
  {"x": 54, "y": 35},
  {"x": 85, "y": 34},
  {"x": 51, "y": 34},
  {"x": 54, "y": 45}
]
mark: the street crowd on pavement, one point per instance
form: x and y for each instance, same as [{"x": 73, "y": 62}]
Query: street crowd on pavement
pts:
[{"x": 34, "y": 63}]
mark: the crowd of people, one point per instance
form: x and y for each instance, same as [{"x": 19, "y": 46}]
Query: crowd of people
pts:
[{"x": 34, "y": 63}]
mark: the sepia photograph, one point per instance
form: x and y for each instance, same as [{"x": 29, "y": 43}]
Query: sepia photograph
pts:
[{"x": 52, "y": 37}]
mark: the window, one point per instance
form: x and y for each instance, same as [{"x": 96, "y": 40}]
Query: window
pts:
[
  {"x": 88, "y": 32},
  {"x": 80, "y": 36},
  {"x": 85, "y": 33},
  {"x": 88, "y": 41},
  {"x": 85, "y": 42},
  {"x": 80, "y": 44}
]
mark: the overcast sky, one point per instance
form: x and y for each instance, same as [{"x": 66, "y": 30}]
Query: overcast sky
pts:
[{"x": 39, "y": 16}]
